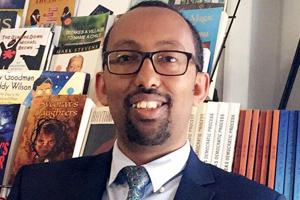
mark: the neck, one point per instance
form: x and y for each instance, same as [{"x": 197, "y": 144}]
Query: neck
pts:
[{"x": 141, "y": 154}]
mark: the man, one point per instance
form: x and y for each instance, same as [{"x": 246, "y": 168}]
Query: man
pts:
[
  {"x": 75, "y": 63},
  {"x": 151, "y": 79}
]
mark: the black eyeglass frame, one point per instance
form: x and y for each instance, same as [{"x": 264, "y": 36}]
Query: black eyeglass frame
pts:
[{"x": 150, "y": 55}]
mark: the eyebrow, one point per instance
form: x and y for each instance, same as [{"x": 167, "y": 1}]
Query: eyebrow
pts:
[
  {"x": 126, "y": 43},
  {"x": 131, "y": 44},
  {"x": 170, "y": 43}
]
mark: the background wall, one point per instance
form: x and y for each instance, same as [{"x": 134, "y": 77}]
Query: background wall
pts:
[{"x": 259, "y": 53}]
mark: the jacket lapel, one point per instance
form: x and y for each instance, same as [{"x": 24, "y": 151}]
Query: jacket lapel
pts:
[
  {"x": 92, "y": 178},
  {"x": 195, "y": 176}
]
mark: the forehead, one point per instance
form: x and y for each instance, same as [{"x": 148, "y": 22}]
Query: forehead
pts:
[{"x": 149, "y": 29}]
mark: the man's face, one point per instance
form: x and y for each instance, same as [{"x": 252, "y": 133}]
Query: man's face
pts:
[
  {"x": 42, "y": 90},
  {"x": 75, "y": 64},
  {"x": 148, "y": 108},
  {"x": 44, "y": 143}
]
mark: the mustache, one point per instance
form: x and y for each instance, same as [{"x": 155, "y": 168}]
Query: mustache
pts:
[{"x": 143, "y": 90}]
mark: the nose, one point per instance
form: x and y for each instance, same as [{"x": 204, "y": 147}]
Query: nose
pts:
[{"x": 147, "y": 77}]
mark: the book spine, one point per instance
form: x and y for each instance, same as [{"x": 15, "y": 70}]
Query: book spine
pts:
[
  {"x": 296, "y": 194},
  {"x": 200, "y": 127},
  {"x": 245, "y": 142},
  {"x": 252, "y": 144},
  {"x": 281, "y": 150},
  {"x": 192, "y": 126},
  {"x": 273, "y": 149},
  {"x": 238, "y": 146},
  {"x": 208, "y": 133},
  {"x": 230, "y": 137},
  {"x": 220, "y": 133},
  {"x": 266, "y": 148},
  {"x": 259, "y": 146},
  {"x": 290, "y": 156}
]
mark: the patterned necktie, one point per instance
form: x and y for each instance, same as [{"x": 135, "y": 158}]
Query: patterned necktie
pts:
[{"x": 137, "y": 179}]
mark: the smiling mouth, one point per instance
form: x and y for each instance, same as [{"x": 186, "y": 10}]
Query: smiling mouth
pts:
[{"x": 147, "y": 104}]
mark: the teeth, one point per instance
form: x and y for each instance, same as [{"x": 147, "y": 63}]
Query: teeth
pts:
[{"x": 146, "y": 105}]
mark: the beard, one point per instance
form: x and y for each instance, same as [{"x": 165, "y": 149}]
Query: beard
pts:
[{"x": 158, "y": 135}]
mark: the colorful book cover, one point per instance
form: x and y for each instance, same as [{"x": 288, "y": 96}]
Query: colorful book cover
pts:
[
  {"x": 79, "y": 45},
  {"x": 296, "y": 194},
  {"x": 9, "y": 19},
  {"x": 20, "y": 87},
  {"x": 290, "y": 156},
  {"x": 47, "y": 13},
  {"x": 8, "y": 119},
  {"x": 101, "y": 133},
  {"x": 281, "y": 150},
  {"x": 50, "y": 130},
  {"x": 25, "y": 48},
  {"x": 206, "y": 21}
]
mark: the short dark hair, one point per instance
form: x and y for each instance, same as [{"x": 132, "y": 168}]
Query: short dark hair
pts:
[
  {"x": 159, "y": 4},
  {"x": 40, "y": 81}
]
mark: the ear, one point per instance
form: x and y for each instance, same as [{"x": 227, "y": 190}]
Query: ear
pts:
[
  {"x": 101, "y": 89},
  {"x": 201, "y": 87}
]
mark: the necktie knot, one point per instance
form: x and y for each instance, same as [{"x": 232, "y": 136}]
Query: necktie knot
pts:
[{"x": 137, "y": 179}]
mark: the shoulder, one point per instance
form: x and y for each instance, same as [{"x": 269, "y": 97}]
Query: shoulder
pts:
[
  {"x": 223, "y": 184},
  {"x": 239, "y": 187},
  {"x": 80, "y": 175}
]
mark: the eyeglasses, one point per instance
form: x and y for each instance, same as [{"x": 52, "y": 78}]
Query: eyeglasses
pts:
[{"x": 167, "y": 62}]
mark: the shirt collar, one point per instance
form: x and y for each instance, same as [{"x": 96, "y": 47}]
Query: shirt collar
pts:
[{"x": 160, "y": 170}]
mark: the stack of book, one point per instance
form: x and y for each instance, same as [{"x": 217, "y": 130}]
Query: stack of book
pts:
[{"x": 267, "y": 149}]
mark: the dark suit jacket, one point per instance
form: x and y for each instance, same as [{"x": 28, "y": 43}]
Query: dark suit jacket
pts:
[{"x": 85, "y": 178}]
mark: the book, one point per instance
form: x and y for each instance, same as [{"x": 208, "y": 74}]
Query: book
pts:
[
  {"x": 238, "y": 144},
  {"x": 12, "y": 4},
  {"x": 207, "y": 138},
  {"x": 202, "y": 109},
  {"x": 48, "y": 13},
  {"x": 266, "y": 148},
  {"x": 230, "y": 137},
  {"x": 18, "y": 127},
  {"x": 8, "y": 119},
  {"x": 192, "y": 126},
  {"x": 50, "y": 130},
  {"x": 290, "y": 155},
  {"x": 259, "y": 145},
  {"x": 9, "y": 19},
  {"x": 84, "y": 122},
  {"x": 79, "y": 47},
  {"x": 25, "y": 48},
  {"x": 223, "y": 112},
  {"x": 252, "y": 144},
  {"x": 245, "y": 142},
  {"x": 101, "y": 132},
  {"x": 206, "y": 21},
  {"x": 296, "y": 192},
  {"x": 19, "y": 87},
  {"x": 273, "y": 149},
  {"x": 281, "y": 150}
]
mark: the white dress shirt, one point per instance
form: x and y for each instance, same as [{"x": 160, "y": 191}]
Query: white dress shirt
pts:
[{"x": 164, "y": 172}]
